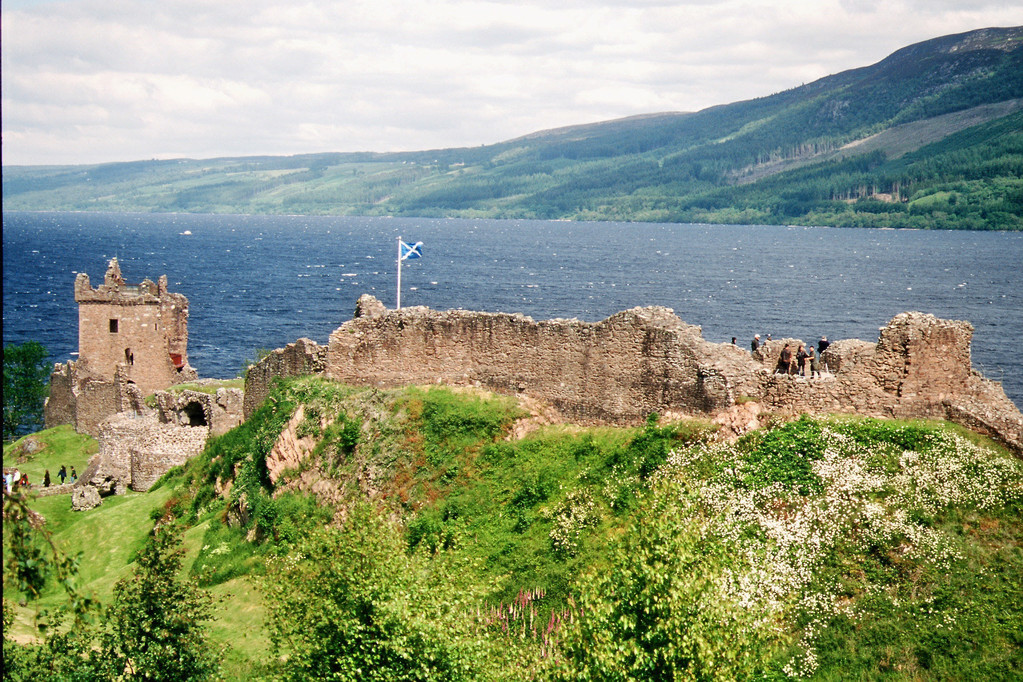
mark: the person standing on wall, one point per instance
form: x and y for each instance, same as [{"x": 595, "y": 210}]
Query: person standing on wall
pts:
[
  {"x": 784, "y": 360},
  {"x": 801, "y": 356},
  {"x": 822, "y": 346}
]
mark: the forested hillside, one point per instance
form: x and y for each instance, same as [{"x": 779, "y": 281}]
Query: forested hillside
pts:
[{"x": 930, "y": 137}]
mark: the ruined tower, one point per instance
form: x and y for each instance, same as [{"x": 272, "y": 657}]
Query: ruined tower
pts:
[
  {"x": 141, "y": 331},
  {"x": 132, "y": 341}
]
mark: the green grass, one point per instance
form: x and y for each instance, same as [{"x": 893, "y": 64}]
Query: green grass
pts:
[
  {"x": 62, "y": 446},
  {"x": 210, "y": 387}
]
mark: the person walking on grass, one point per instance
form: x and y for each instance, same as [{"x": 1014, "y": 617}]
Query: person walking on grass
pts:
[{"x": 62, "y": 474}]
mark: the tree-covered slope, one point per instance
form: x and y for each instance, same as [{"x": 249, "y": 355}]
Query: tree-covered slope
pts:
[{"x": 933, "y": 120}]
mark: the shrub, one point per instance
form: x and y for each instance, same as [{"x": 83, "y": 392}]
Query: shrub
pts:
[
  {"x": 785, "y": 455},
  {"x": 351, "y": 604},
  {"x": 157, "y": 620},
  {"x": 654, "y": 612},
  {"x": 26, "y": 375}
]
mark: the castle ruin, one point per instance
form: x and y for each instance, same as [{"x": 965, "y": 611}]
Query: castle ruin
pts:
[
  {"x": 647, "y": 360},
  {"x": 132, "y": 341}
]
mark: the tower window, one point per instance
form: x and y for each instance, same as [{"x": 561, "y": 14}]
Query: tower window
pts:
[{"x": 113, "y": 326}]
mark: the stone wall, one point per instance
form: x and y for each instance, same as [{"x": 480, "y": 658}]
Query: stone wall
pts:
[
  {"x": 80, "y": 399},
  {"x": 647, "y": 360},
  {"x": 162, "y": 447},
  {"x": 305, "y": 356},
  {"x": 134, "y": 451},
  {"x": 221, "y": 411},
  {"x": 620, "y": 369}
]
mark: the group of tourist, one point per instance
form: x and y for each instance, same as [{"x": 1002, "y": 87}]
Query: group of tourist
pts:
[
  {"x": 805, "y": 361},
  {"x": 15, "y": 479},
  {"x": 19, "y": 479}
]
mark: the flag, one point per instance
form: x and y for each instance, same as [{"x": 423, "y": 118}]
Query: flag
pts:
[{"x": 411, "y": 250}]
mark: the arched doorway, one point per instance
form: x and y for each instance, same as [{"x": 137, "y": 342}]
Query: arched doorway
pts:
[{"x": 196, "y": 414}]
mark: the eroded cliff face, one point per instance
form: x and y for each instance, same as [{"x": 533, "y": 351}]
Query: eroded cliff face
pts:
[{"x": 647, "y": 360}]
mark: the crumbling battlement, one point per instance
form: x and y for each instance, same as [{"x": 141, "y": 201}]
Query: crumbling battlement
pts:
[
  {"x": 141, "y": 330},
  {"x": 620, "y": 369},
  {"x": 647, "y": 360}
]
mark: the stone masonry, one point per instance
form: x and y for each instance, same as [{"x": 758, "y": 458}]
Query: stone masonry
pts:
[
  {"x": 305, "y": 356},
  {"x": 220, "y": 411},
  {"x": 134, "y": 451},
  {"x": 647, "y": 360},
  {"x": 132, "y": 341}
]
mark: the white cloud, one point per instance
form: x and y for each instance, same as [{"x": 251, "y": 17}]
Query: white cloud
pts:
[{"x": 102, "y": 80}]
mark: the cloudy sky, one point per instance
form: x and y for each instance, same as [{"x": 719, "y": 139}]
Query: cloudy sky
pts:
[{"x": 88, "y": 81}]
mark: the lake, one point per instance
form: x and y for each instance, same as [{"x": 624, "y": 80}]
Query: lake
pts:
[{"x": 259, "y": 282}]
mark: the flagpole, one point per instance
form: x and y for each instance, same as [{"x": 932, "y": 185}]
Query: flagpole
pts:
[{"x": 399, "y": 273}]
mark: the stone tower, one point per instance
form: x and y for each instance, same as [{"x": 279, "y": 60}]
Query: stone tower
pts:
[
  {"x": 141, "y": 331},
  {"x": 132, "y": 341}
]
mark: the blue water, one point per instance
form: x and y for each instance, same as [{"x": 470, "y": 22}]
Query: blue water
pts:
[{"x": 263, "y": 281}]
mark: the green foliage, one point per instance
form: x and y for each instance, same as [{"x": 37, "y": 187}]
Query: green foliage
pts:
[
  {"x": 890, "y": 434},
  {"x": 31, "y": 560},
  {"x": 157, "y": 625},
  {"x": 831, "y": 548},
  {"x": 785, "y": 456},
  {"x": 350, "y": 604},
  {"x": 655, "y": 610},
  {"x": 649, "y": 450},
  {"x": 208, "y": 386},
  {"x": 26, "y": 377},
  {"x": 450, "y": 420}
]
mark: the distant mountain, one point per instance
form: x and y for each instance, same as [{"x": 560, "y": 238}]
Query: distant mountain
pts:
[{"x": 930, "y": 137}]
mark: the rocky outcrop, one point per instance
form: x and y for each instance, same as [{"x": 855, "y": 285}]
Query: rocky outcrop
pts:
[
  {"x": 84, "y": 498},
  {"x": 290, "y": 449}
]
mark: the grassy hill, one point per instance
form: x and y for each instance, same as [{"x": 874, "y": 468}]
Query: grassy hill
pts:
[
  {"x": 435, "y": 533},
  {"x": 929, "y": 137}
]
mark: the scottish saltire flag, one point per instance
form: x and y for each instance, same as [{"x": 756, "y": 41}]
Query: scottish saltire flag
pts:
[{"x": 411, "y": 250}]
